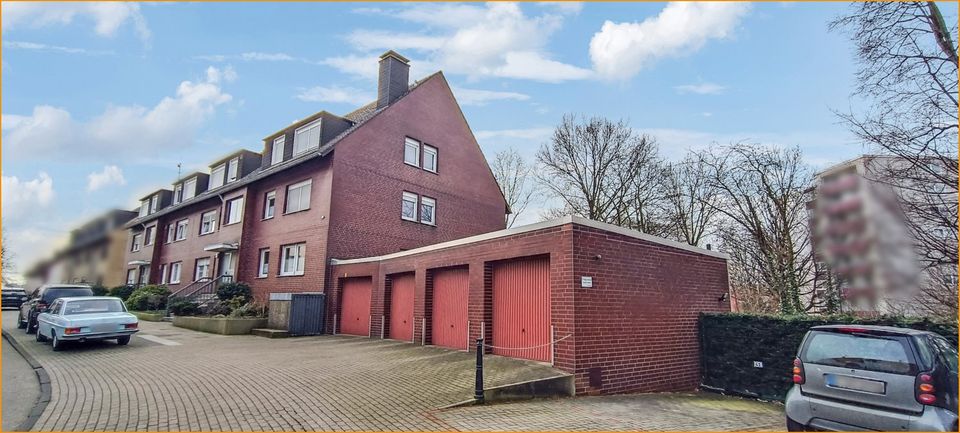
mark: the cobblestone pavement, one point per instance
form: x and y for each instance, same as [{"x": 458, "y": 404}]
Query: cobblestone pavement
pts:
[
  {"x": 639, "y": 412},
  {"x": 169, "y": 378}
]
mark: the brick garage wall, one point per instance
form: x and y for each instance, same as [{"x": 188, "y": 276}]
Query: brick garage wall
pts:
[{"x": 636, "y": 328}]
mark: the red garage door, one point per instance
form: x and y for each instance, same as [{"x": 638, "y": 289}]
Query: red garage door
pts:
[
  {"x": 521, "y": 308},
  {"x": 401, "y": 307},
  {"x": 355, "y": 306},
  {"x": 449, "y": 315}
]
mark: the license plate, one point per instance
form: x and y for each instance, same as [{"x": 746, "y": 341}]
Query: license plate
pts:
[
  {"x": 856, "y": 383},
  {"x": 104, "y": 328}
]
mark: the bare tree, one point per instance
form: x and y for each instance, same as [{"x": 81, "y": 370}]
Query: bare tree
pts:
[
  {"x": 601, "y": 170},
  {"x": 7, "y": 259},
  {"x": 908, "y": 70},
  {"x": 512, "y": 174},
  {"x": 690, "y": 200},
  {"x": 762, "y": 196}
]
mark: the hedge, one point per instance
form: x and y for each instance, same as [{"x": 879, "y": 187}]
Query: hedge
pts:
[{"x": 730, "y": 343}]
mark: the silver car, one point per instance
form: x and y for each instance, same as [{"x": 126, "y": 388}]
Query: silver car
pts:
[
  {"x": 854, "y": 377},
  {"x": 86, "y": 318}
]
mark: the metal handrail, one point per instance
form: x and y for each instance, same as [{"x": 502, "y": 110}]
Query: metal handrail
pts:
[{"x": 204, "y": 286}]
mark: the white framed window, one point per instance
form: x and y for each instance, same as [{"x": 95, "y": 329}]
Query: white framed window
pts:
[
  {"x": 429, "y": 158},
  {"x": 163, "y": 274},
  {"x": 178, "y": 193},
  {"x": 298, "y": 197},
  {"x": 264, "y": 268},
  {"x": 181, "y": 230},
  {"x": 208, "y": 222},
  {"x": 428, "y": 210},
  {"x": 216, "y": 176},
  {"x": 144, "y": 208},
  {"x": 131, "y": 276},
  {"x": 409, "y": 207},
  {"x": 293, "y": 259},
  {"x": 233, "y": 169},
  {"x": 149, "y": 234},
  {"x": 190, "y": 188},
  {"x": 155, "y": 203},
  {"x": 306, "y": 137},
  {"x": 411, "y": 152},
  {"x": 137, "y": 239},
  {"x": 171, "y": 232},
  {"x": 175, "y": 269},
  {"x": 202, "y": 269},
  {"x": 234, "y": 211},
  {"x": 269, "y": 204},
  {"x": 276, "y": 153}
]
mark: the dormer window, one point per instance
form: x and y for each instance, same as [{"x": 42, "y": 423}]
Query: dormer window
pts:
[
  {"x": 276, "y": 153},
  {"x": 144, "y": 207},
  {"x": 154, "y": 203},
  {"x": 306, "y": 137},
  {"x": 190, "y": 188},
  {"x": 233, "y": 169},
  {"x": 178, "y": 193},
  {"x": 216, "y": 176}
]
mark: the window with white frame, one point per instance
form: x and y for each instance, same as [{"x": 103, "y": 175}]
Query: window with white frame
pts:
[
  {"x": 144, "y": 208},
  {"x": 216, "y": 176},
  {"x": 411, "y": 152},
  {"x": 178, "y": 193},
  {"x": 137, "y": 239},
  {"x": 171, "y": 232},
  {"x": 202, "y": 269},
  {"x": 131, "y": 276},
  {"x": 149, "y": 234},
  {"x": 293, "y": 259},
  {"x": 155, "y": 203},
  {"x": 190, "y": 188},
  {"x": 269, "y": 204},
  {"x": 428, "y": 210},
  {"x": 175, "y": 269},
  {"x": 276, "y": 154},
  {"x": 234, "y": 211},
  {"x": 181, "y": 230},
  {"x": 264, "y": 268},
  {"x": 306, "y": 137},
  {"x": 298, "y": 197},
  {"x": 163, "y": 274},
  {"x": 233, "y": 169},
  {"x": 430, "y": 158},
  {"x": 409, "y": 206},
  {"x": 208, "y": 222}
]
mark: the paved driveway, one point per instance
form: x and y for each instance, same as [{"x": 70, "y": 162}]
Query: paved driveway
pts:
[{"x": 174, "y": 379}]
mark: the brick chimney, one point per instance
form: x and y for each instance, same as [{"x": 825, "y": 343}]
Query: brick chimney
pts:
[{"x": 394, "y": 78}]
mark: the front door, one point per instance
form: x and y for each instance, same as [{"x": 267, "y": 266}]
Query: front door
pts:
[
  {"x": 227, "y": 263},
  {"x": 144, "y": 275}
]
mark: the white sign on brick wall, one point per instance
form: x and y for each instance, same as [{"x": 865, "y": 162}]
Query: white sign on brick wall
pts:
[{"x": 586, "y": 282}]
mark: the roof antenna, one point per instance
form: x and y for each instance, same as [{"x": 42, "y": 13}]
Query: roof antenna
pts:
[{"x": 178, "y": 171}]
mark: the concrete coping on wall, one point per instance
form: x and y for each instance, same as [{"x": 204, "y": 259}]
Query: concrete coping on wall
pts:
[{"x": 569, "y": 219}]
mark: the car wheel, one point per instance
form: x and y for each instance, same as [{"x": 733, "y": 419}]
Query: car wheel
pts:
[
  {"x": 20, "y": 323},
  {"x": 123, "y": 341},
  {"x": 31, "y": 328},
  {"x": 57, "y": 344},
  {"x": 795, "y": 426},
  {"x": 40, "y": 337}
]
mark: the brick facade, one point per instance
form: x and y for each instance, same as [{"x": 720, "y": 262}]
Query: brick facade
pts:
[{"x": 633, "y": 331}]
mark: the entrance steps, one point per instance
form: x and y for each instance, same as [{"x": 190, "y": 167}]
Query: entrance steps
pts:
[{"x": 270, "y": 333}]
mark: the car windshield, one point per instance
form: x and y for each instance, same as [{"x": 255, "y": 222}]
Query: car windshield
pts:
[
  {"x": 860, "y": 351},
  {"x": 63, "y": 292},
  {"x": 93, "y": 306}
]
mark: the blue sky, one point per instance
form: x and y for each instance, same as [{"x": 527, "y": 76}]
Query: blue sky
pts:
[{"x": 101, "y": 102}]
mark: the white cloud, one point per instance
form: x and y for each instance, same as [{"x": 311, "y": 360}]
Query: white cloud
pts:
[
  {"x": 107, "y": 17},
  {"x": 22, "y": 198},
  {"x": 19, "y": 45},
  {"x": 701, "y": 88},
  {"x": 251, "y": 56},
  {"x": 336, "y": 94},
  {"x": 621, "y": 50},
  {"x": 495, "y": 39},
  {"x": 568, "y": 7},
  {"x": 110, "y": 175},
  {"x": 51, "y": 132},
  {"x": 483, "y": 97},
  {"x": 532, "y": 134}
]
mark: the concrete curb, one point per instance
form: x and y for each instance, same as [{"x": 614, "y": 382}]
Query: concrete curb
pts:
[{"x": 45, "y": 390}]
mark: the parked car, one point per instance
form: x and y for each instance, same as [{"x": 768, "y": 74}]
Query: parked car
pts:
[
  {"x": 43, "y": 297},
  {"x": 88, "y": 318},
  {"x": 12, "y": 297},
  {"x": 852, "y": 377}
]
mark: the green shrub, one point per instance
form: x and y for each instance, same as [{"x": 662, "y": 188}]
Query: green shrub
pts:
[
  {"x": 99, "y": 290},
  {"x": 122, "y": 292},
  {"x": 183, "y": 307},
  {"x": 230, "y": 291},
  {"x": 148, "y": 298},
  {"x": 731, "y": 342}
]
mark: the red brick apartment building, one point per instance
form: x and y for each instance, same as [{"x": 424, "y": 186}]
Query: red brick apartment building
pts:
[{"x": 393, "y": 213}]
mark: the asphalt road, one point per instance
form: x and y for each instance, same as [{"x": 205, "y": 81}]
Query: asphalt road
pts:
[{"x": 21, "y": 389}]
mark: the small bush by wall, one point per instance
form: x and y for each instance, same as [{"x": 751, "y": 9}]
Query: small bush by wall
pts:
[
  {"x": 122, "y": 292},
  {"x": 148, "y": 298},
  {"x": 730, "y": 343}
]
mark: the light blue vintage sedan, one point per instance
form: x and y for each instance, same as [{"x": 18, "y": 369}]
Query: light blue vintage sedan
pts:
[{"x": 86, "y": 318}]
